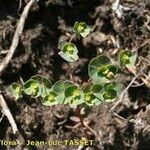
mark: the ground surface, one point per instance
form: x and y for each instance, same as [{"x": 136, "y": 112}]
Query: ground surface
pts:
[{"x": 51, "y": 21}]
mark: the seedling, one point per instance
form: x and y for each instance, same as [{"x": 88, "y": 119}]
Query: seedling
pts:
[
  {"x": 102, "y": 87},
  {"x": 69, "y": 51}
]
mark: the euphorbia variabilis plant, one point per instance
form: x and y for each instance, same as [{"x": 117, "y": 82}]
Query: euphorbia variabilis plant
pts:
[
  {"x": 102, "y": 74},
  {"x": 69, "y": 51}
]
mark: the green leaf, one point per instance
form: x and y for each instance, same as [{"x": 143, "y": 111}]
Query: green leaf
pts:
[
  {"x": 44, "y": 85},
  {"x": 85, "y": 32},
  {"x": 97, "y": 62},
  {"x": 110, "y": 95},
  {"x": 90, "y": 99},
  {"x": 31, "y": 87},
  {"x": 61, "y": 44},
  {"x": 101, "y": 70},
  {"x": 81, "y": 29},
  {"x": 50, "y": 99},
  {"x": 69, "y": 52},
  {"x": 127, "y": 58},
  {"x": 59, "y": 88},
  {"x": 74, "y": 96},
  {"x": 94, "y": 88},
  {"x": 68, "y": 57},
  {"x": 112, "y": 90},
  {"x": 97, "y": 91},
  {"x": 16, "y": 90},
  {"x": 109, "y": 86},
  {"x": 92, "y": 94},
  {"x": 72, "y": 91}
]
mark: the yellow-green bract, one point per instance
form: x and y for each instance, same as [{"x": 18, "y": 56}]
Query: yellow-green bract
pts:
[
  {"x": 127, "y": 58},
  {"x": 16, "y": 90},
  {"x": 81, "y": 29},
  {"x": 69, "y": 51}
]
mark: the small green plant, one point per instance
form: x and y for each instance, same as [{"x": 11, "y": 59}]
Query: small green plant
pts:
[
  {"x": 101, "y": 86},
  {"x": 69, "y": 51}
]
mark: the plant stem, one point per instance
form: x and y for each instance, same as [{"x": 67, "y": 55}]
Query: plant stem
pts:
[
  {"x": 87, "y": 82},
  {"x": 78, "y": 113},
  {"x": 70, "y": 69},
  {"x": 72, "y": 37},
  {"x": 71, "y": 73}
]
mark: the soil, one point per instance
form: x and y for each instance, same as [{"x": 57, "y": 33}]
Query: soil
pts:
[{"x": 49, "y": 22}]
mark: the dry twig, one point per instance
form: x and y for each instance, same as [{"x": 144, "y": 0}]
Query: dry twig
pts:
[
  {"x": 118, "y": 8},
  {"x": 126, "y": 89},
  {"x": 7, "y": 113},
  {"x": 2, "y": 118},
  {"x": 16, "y": 37}
]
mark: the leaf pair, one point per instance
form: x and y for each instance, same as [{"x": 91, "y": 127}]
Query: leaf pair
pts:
[
  {"x": 100, "y": 69},
  {"x": 44, "y": 90},
  {"x": 16, "y": 90},
  {"x": 93, "y": 94},
  {"x": 59, "y": 88},
  {"x": 44, "y": 85},
  {"x": 74, "y": 96},
  {"x": 81, "y": 29},
  {"x": 35, "y": 87},
  {"x": 69, "y": 51},
  {"x": 68, "y": 93},
  {"x": 111, "y": 91},
  {"x": 127, "y": 58}
]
